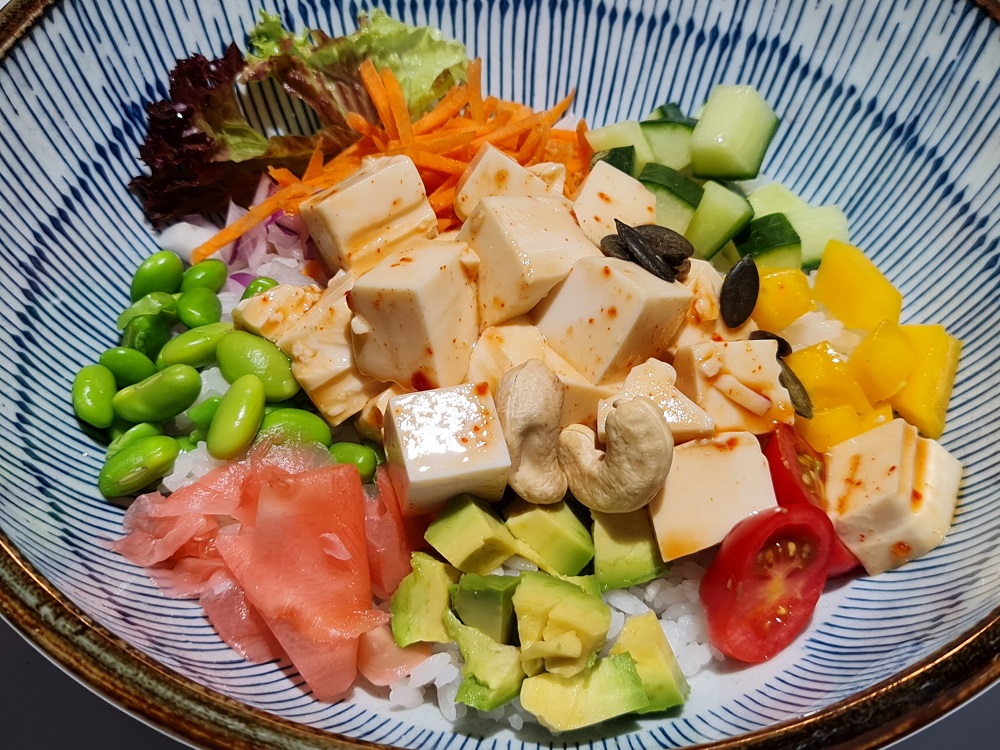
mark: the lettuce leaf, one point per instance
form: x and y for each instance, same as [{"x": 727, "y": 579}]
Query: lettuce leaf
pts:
[{"x": 203, "y": 153}]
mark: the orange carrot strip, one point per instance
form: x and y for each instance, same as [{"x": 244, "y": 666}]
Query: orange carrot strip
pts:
[
  {"x": 397, "y": 104},
  {"x": 543, "y": 142},
  {"x": 474, "y": 72},
  {"x": 444, "y": 196},
  {"x": 248, "y": 221},
  {"x": 446, "y": 109},
  {"x": 531, "y": 143},
  {"x": 490, "y": 105},
  {"x": 436, "y": 163},
  {"x": 447, "y": 223},
  {"x": 284, "y": 177},
  {"x": 506, "y": 132},
  {"x": 380, "y": 99},
  {"x": 445, "y": 143},
  {"x": 360, "y": 124},
  {"x": 315, "y": 166},
  {"x": 583, "y": 145},
  {"x": 555, "y": 114}
]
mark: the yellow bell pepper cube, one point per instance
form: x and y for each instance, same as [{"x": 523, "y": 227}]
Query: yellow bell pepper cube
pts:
[
  {"x": 824, "y": 374},
  {"x": 879, "y": 415},
  {"x": 923, "y": 401},
  {"x": 829, "y": 427},
  {"x": 784, "y": 295},
  {"x": 883, "y": 361},
  {"x": 853, "y": 289}
]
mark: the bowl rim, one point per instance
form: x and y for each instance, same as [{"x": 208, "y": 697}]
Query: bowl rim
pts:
[{"x": 206, "y": 718}]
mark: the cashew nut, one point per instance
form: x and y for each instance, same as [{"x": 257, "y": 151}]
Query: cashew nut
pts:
[
  {"x": 529, "y": 403},
  {"x": 625, "y": 477}
]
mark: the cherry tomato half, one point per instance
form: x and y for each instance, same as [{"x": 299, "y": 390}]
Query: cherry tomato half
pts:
[
  {"x": 797, "y": 475},
  {"x": 763, "y": 585}
]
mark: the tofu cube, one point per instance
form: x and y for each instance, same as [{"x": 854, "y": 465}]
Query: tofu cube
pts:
[
  {"x": 374, "y": 212},
  {"x": 415, "y": 320},
  {"x": 656, "y": 381},
  {"x": 443, "y": 442},
  {"x": 610, "y": 315},
  {"x": 503, "y": 347},
  {"x": 581, "y": 397},
  {"x": 608, "y": 194},
  {"x": 552, "y": 173},
  {"x": 891, "y": 494},
  {"x": 525, "y": 246},
  {"x": 319, "y": 345},
  {"x": 491, "y": 172},
  {"x": 712, "y": 485},
  {"x": 371, "y": 419},
  {"x": 736, "y": 383},
  {"x": 703, "y": 321},
  {"x": 273, "y": 312}
]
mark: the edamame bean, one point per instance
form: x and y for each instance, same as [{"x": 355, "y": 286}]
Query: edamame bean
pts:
[
  {"x": 159, "y": 397},
  {"x": 210, "y": 274},
  {"x": 93, "y": 395},
  {"x": 237, "y": 419},
  {"x": 128, "y": 365},
  {"x": 361, "y": 456},
  {"x": 195, "y": 347},
  {"x": 186, "y": 443},
  {"x": 133, "y": 433},
  {"x": 199, "y": 307},
  {"x": 242, "y": 353},
  {"x": 147, "y": 334},
  {"x": 160, "y": 272},
  {"x": 137, "y": 465},
  {"x": 298, "y": 425},
  {"x": 259, "y": 285},
  {"x": 154, "y": 303},
  {"x": 378, "y": 449},
  {"x": 201, "y": 415}
]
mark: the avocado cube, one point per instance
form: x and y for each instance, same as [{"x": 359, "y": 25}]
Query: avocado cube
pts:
[
  {"x": 547, "y": 608},
  {"x": 661, "y": 675},
  {"x": 471, "y": 536},
  {"x": 486, "y": 603},
  {"x": 491, "y": 671},
  {"x": 625, "y": 549},
  {"x": 420, "y": 601},
  {"x": 611, "y": 687},
  {"x": 554, "y": 533}
]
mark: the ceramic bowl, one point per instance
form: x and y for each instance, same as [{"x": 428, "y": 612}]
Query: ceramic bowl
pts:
[{"x": 891, "y": 110}]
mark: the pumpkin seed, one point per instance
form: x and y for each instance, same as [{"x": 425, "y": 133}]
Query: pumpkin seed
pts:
[
  {"x": 613, "y": 247},
  {"x": 738, "y": 296},
  {"x": 800, "y": 398},
  {"x": 784, "y": 348},
  {"x": 643, "y": 253},
  {"x": 673, "y": 246}
]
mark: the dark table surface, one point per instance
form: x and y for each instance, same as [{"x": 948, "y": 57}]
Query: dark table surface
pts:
[{"x": 42, "y": 708}]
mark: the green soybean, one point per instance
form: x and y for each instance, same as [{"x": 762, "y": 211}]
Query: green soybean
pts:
[
  {"x": 147, "y": 334},
  {"x": 160, "y": 272},
  {"x": 241, "y": 353},
  {"x": 295, "y": 425},
  {"x": 93, "y": 395},
  {"x": 378, "y": 449},
  {"x": 237, "y": 419},
  {"x": 128, "y": 365},
  {"x": 258, "y": 286},
  {"x": 154, "y": 303},
  {"x": 360, "y": 455},
  {"x": 159, "y": 397},
  {"x": 199, "y": 307},
  {"x": 186, "y": 443},
  {"x": 133, "y": 433},
  {"x": 210, "y": 274},
  {"x": 201, "y": 415},
  {"x": 137, "y": 465},
  {"x": 195, "y": 347}
]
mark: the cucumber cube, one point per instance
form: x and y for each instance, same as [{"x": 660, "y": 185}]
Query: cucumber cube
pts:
[
  {"x": 816, "y": 227},
  {"x": 626, "y": 133},
  {"x": 719, "y": 217},
  {"x": 732, "y": 134},
  {"x": 772, "y": 242}
]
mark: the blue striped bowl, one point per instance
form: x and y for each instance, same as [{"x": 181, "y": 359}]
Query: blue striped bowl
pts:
[{"x": 891, "y": 110}]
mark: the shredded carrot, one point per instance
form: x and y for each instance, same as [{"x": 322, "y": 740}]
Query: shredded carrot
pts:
[
  {"x": 444, "y": 196},
  {"x": 555, "y": 114},
  {"x": 447, "y": 109},
  {"x": 474, "y": 73},
  {"x": 514, "y": 129},
  {"x": 380, "y": 99},
  {"x": 436, "y": 163},
  {"x": 315, "y": 166},
  {"x": 397, "y": 105},
  {"x": 284, "y": 177},
  {"x": 360, "y": 124}
]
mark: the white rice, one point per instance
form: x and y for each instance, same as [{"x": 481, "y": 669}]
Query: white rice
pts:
[{"x": 673, "y": 598}]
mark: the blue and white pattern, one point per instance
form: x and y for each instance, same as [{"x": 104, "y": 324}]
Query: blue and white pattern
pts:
[{"x": 891, "y": 110}]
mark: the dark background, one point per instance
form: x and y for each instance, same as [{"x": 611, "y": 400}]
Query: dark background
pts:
[{"x": 41, "y": 708}]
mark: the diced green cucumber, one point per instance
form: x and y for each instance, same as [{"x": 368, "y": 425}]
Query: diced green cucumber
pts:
[
  {"x": 671, "y": 112},
  {"x": 620, "y": 157},
  {"x": 816, "y": 226},
  {"x": 772, "y": 242},
  {"x": 625, "y": 133},
  {"x": 774, "y": 198},
  {"x": 732, "y": 134},
  {"x": 726, "y": 258},
  {"x": 670, "y": 142},
  {"x": 719, "y": 217},
  {"x": 677, "y": 196}
]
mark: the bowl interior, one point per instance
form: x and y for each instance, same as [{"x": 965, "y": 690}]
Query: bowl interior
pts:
[{"x": 888, "y": 110}]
